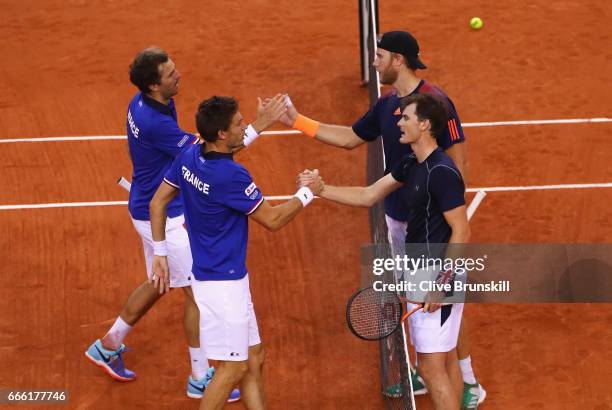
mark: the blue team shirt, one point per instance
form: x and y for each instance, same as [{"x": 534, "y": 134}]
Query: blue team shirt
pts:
[
  {"x": 154, "y": 140},
  {"x": 218, "y": 195},
  {"x": 431, "y": 188},
  {"x": 382, "y": 119}
]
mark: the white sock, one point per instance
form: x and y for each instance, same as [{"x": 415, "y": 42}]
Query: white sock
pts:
[
  {"x": 117, "y": 333},
  {"x": 466, "y": 370},
  {"x": 199, "y": 362}
]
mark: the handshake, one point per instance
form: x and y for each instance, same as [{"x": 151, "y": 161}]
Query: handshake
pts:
[
  {"x": 280, "y": 109},
  {"x": 311, "y": 180},
  {"x": 270, "y": 110}
]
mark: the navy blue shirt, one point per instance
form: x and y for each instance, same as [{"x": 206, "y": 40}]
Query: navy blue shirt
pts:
[
  {"x": 154, "y": 139},
  {"x": 382, "y": 119},
  {"x": 431, "y": 188},
  {"x": 218, "y": 195}
]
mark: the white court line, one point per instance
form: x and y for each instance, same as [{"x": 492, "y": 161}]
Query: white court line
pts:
[
  {"x": 58, "y": 139},
  {"x": 535, "y": 122},
  {"x": 540, "y": 187},
  {"x": 61, "y": 205},
  {"x": 287, "y": 197},
  {"x": 294, "y": 132},
  {"x": 476, "y": 201}
]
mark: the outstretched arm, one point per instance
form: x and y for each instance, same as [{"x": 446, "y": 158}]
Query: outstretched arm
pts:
[
  {"x": 275, "y": 217},
  {"x": 361, "y": 196},
  {"x": 336, "y": 135},
  {"x": 339, "y": 136}
]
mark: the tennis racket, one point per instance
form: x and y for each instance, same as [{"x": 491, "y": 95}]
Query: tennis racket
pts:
[{"x": 375, "y": 315}]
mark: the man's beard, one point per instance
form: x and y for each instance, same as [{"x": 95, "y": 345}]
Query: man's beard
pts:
[
  {"x": 237, "y": 143},
  {"x": 170, "y": 93},
  {"x": 388, "y": 77}
]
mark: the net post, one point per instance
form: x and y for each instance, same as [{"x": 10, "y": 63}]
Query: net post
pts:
[
  {"x": 368, "y": 31},
  {"x": 363, "y": 44}
]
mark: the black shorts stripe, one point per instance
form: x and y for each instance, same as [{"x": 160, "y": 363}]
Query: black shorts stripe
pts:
[{"x": 445, "y": 313}]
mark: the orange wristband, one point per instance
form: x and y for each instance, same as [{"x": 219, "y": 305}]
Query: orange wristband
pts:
[{"x": 306, "y": 125}]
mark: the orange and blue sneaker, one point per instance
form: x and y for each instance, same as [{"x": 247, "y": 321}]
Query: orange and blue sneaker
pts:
[
  {"x": 110, "y": 360},
  {"x": 196, "y": 388}
]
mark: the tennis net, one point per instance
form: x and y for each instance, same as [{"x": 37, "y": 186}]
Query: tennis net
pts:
[{"x": 395, "y": 373}]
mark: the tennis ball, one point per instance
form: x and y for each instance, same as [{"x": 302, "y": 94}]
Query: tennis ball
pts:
[{"x": 476, "y": 23}]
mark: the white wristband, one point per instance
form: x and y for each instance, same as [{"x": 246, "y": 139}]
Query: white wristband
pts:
[
  {"x": 250, "y": 135},
  {"x": 288, "y": 102},
  {"x": 305, "y": 195},
  {"x": 160, "y": 248}
]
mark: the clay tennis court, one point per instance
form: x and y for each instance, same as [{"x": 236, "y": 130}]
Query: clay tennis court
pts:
[{"x": 68, "y": 270}]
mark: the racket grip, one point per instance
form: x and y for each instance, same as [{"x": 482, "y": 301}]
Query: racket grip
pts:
[
  {"x": 124, "y": 183},
  {"x": 410, "y": 312}
]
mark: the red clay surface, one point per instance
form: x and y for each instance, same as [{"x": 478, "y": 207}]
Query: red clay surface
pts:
[{"x": 68, "y": 271}]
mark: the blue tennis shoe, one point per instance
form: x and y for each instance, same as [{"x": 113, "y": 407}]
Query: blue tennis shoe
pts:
[
  {"x": 110, "y": 360},
  {"x": 196, "y": 388}
]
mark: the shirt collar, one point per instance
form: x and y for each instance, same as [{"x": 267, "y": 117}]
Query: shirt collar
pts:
[
  {"x": 217, "y": 155},
  {"x": 418, "y": 87},
  {"x": 164, "y": 109}
]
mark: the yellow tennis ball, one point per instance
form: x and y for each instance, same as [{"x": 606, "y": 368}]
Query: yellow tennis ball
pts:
[{"x": 476, "y": 23}]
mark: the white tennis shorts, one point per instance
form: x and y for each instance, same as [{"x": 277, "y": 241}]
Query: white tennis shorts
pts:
[
  {"x": 179, "y": 252},
  {"x": 228, "y": 326},
  {"x": 436, "y": 332}
]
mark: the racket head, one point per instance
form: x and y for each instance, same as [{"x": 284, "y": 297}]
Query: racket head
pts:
[{"x": 373, "y": 315}]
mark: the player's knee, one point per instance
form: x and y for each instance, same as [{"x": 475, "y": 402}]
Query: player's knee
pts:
[
  {"x": 452, "y": 358},
  {"x": 231, "y": 373},
  {"x": 238, "y": 371},
  {"x": 431, "y": 368},
  {"x": 242, "y": 370}
]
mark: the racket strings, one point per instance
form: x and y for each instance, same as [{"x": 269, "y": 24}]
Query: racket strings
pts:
[{"x": 374, "y": 315}]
